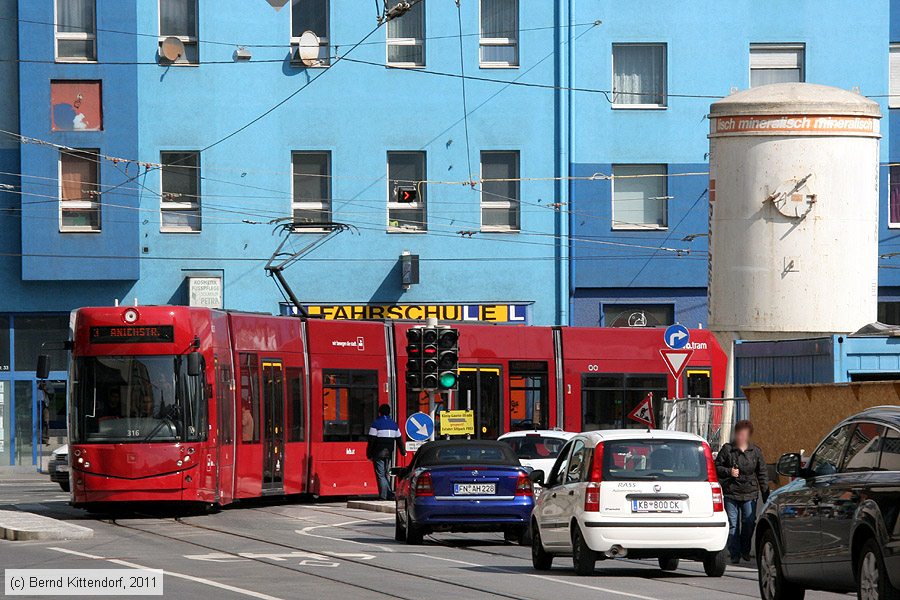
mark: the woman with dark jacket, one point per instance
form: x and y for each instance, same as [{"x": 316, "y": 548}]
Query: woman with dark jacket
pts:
[{"x": 742, "y": 472}]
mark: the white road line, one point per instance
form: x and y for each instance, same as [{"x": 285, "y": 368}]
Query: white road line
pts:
[
  {"x": 209, "y": 582},
  {"x": 545, "y": 578},
  {"x": 306, "y": 531}
]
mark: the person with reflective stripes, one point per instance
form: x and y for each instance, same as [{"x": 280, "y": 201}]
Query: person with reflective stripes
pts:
[{"x": 384, "y": 436}]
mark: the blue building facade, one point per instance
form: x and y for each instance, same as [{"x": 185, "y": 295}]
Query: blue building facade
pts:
[{"x": 153, "y": 149}]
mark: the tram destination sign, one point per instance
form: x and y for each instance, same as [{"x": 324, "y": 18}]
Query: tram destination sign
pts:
[{"x": 130, "y": 334}]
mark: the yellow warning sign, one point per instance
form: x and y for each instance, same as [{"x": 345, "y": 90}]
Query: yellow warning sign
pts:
[{"x": 458, "y": 422}]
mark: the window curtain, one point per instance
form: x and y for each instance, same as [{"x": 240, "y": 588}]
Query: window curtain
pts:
[
  {"x": 409, "y": 26},
  {"x": 309, "y": 15},
  {"x": 178, "y": 18},
  {"x": 79, "y": 176},
  {"x": 499, "y": 18},
  {"x": 767, "y": 76},
  {"x": 894, "y": 201},
  {"x": 75, "y": 16},
  {"x": 638, "y": 196},
  {"x": 638, "y": 75}
]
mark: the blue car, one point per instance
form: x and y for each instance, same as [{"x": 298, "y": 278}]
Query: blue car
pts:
[{"x": 461, "y": 486}]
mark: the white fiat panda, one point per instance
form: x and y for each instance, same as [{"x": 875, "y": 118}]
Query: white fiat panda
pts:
[{"x": 635, "y": 493}]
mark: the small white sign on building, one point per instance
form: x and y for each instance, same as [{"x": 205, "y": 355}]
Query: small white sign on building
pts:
[{"x": 205, "y": 292}]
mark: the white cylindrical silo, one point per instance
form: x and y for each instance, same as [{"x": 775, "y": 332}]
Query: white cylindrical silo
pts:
[{"x": 793, "y": 212}]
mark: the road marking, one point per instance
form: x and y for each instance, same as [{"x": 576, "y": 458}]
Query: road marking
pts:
[
  {"x": 209, "y": 582},
  {"x": 545, "y": 578},
  {"x": 306, "y": 531}
]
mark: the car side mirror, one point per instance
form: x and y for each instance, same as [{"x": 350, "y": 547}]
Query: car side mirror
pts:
[
  {"x": 537, "y": 476},
  {"x": 788, "y": 465},
  {"x": 43, "y": 366},
  {"x": 193, "y": 364}
]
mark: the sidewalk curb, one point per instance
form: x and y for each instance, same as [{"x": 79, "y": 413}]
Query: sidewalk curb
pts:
[
  {"x": 382, "y": 506},
  {"x": 25, "y": 526}
]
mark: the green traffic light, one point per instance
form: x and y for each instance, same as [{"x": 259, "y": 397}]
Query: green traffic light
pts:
[{"x": 448, "y": 380}]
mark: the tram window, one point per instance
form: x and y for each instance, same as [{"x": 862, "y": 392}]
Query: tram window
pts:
[
  {"x": 295, "y": 405},
  {"x": 249, "y": 398},
  {"x": 225, "y": 400},
  {"x": 528, "y": 395},
  {"x": 608, "y": 398},
  {"x": 349, "y": 404}
]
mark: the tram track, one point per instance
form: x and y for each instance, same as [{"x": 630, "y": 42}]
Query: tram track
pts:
[
  {"x": 444, "y": 543},
  {"x": 299, "y": 548}
]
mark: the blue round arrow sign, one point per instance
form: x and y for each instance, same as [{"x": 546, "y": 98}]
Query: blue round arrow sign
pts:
[
  {"x": 419, "y": 427},
  {"x": 677, "y": 336}
]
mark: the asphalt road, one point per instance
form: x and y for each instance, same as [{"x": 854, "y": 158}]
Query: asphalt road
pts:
[{"x": 325, "y": 550}]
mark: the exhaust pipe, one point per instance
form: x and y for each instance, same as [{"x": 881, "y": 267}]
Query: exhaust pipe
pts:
[{"x": 616, "y": 552}]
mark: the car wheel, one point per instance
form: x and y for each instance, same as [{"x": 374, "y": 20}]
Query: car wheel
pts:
[
  {"x": 399, "y": 530},
  {"x": 714, "y": 564},
  {"x": 772, "y": 583},
  {"x": 64, "y": 485},
  {"x": 540, "y": 558},
  {"x": 583, "y": 557},
  {"x": 668, "y": 564},
  {"x": 414, "y": 533},
  {"x": 871, "y": 576}
]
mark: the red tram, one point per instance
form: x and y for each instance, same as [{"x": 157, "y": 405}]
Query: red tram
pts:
[{"x": 196, "y": 405}]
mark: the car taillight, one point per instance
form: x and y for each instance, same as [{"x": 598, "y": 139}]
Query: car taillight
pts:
[
  {"x": 592, "y": 491},
  {"x": 523, "y": 486},
  {"x": 718, "y": 500},
  {"x": 423, "y": 485}
]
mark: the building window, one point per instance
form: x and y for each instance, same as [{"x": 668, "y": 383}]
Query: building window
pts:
[
  {"x": 406, "y": 38},
  {"x": 311, "y": 15},
  {"x": 894, "y": 80},
  {"x": 639, "y": 75},
  {"x": 500, "y": 199},
  {"x": 180, "y": 193},
  {"x": 639, "y": 199},
  {"x": 499, "y": 33},
  {"x": 312, "y": 187},
  {"x": 79, "y": 190},
  {"x": 638, "y": 315},
  {"x": 76, "y": 30},
  {"x": 178, "y": 18},
  {"x": 894, "y": 196},
  {"x": 776, "y": 63},
  {"x": 76, "y": 106},
  {"x": 406, "y": 169},
  {"x": 889, "y": 313}
]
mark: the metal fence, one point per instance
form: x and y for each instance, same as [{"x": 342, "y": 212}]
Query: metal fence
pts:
[{"x": 711, "y": 418}]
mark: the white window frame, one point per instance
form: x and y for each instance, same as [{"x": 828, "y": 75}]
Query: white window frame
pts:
[
  {"x": 192, "y": 205},
  {"x": 405, "y": 42},
  {"x": 798, "y": 49},
  {"x": 497, "y": 203},
  {"x": 394, "y": 205},
  {"x": 59, "y": 35},
  {"x": 187, "y": 40},
  {"x": 295, "y": 206},
  {"x": 894, "y": 77},
  {"x": 79, "y": 204},
  {"x": 625, "y": 226},
  {"x": 324, "y": 40},
  {"x": 665, "y": 78},
  {"x": 506, "y": 41}
]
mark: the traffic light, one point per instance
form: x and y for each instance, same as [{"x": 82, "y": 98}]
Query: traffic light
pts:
[
  {"x": 430, "y": 371},
  {"x": 414, "y": 358},
  {"x": 407, "y": 194},
  {"x": 448, "y": 358}
]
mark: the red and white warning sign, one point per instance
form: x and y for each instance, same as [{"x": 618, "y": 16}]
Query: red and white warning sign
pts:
[
  {"x": 676, "y": 360},
  {"x": 643, "y": 412}
]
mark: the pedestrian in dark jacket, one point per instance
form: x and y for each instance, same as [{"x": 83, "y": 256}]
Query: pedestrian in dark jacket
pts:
[
  {"x": 742, "y": 472},
  {"x": 384, "y": 436}
]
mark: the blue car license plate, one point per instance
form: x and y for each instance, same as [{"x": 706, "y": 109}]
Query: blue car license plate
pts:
[{"x": 474, "y": 489}]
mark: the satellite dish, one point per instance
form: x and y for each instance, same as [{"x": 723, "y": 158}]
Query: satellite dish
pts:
[
  {"x": 171, "y": 48},
  {"x": 308, "y": 50}
]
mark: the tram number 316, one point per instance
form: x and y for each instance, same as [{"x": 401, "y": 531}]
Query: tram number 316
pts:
[{"x": 593, "y": 368}]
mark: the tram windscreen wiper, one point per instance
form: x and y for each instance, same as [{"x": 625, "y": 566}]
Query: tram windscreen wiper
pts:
[{"x": 166, "y": 417}]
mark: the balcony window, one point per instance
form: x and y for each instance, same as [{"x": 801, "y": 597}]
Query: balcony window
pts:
[
  {"x": 79, "y": 190},
  {"x": 311, "y": 15},
  {"x": 499, "y": 45},
  {"x": 405, "y": 170},
  {"x": 500, "y": 199},
  {"x": 406, "y": 38},
  {"x": 312, "y": 188},
  {"x": 178, "y": 19},
  {"x": 180, "y": 198},
  {"x": 76, "y": 30}
]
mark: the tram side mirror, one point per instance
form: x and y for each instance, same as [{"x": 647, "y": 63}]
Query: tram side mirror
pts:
[
  {"x": 43, "y": 366},
  {"x": 193, "y": 364}
]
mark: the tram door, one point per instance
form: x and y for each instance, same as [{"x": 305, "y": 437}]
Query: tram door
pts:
[
  {"x": 482, "y": 386},
  {"x": 273, "y": 426}
]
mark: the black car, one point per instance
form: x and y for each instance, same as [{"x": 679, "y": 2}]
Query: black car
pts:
[{"x": 836, "y": 527}]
